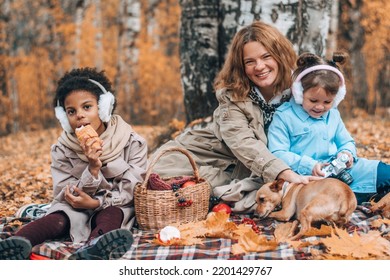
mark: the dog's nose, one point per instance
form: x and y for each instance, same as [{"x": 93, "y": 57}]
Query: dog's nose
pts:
[{"x": 259, "y": 216}]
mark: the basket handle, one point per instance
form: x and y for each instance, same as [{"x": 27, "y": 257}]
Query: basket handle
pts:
[{"x": 165, "y": 151}]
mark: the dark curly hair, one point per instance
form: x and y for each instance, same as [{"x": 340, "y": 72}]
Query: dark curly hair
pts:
[{"x": 77, "y": 79}]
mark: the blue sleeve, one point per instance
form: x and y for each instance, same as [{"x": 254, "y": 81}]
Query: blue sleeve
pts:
[
  {"x": 343, "y": 138},
  {"x": 279, "y": 144}
]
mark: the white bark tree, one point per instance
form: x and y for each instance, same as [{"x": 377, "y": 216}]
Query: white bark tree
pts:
[
  {"x": 129, "y": 16},
  {"x": 207, "y": 28}
]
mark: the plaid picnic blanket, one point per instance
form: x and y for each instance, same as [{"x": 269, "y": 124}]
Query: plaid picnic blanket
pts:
[{"x": 212, "y": 248}]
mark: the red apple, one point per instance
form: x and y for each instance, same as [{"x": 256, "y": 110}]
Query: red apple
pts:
[
  {"x": 222, "y": 207},
  {"x": 188, "y": 183}
]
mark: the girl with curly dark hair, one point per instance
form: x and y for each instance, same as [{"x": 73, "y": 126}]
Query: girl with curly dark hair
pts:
[{"x": 93, "y": 177}]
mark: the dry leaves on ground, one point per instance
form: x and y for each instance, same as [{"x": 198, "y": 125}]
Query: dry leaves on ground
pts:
[
  {"x": 382, "y": 206},
  {"x": 25, "y": 157},
  {"x": 217, "y": 225},
  {"x": 339, "y": 244},
  {"x": 25, "y": 178}
]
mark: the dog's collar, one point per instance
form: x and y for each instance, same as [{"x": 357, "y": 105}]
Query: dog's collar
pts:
[{"x": 284, "y": 188}]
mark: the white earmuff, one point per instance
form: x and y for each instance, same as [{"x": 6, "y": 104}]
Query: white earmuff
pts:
[
  {"x": 106, "y": 102},
  {"x": 61, "y": 116},
  {"x": 106, "y": 105},
  {"x": 297, "y": 88}
]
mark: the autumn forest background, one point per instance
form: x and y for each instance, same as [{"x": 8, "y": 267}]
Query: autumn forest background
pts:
[{"x": 138, "y": 44}]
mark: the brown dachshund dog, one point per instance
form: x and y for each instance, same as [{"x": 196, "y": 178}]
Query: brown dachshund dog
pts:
[{"x": 328, "y": 200}]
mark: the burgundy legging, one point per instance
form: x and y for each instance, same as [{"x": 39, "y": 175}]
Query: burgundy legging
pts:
[{"x": 57, "y": 225}]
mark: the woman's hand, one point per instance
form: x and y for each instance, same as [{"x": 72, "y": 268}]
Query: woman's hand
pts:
[
  {"x": 79, "y": 199},
  {"x": 292, "y": 177}
]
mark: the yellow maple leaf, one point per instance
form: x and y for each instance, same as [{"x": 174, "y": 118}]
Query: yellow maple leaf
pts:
[
  {"x": 284, "y": 231},
  {"x": 354, "y": 246},
  {"x": 179, "y": 241},
  {"x": 241, "y": 230},
  {"x": 252, "y": 242},
  {"x": 216, "y": 225},
  {"x": 379, "y": 222},
  {"x": 323, "y": 230},
  {"x": 219, "y": 226},
  {"x": 193, "y": 229}
]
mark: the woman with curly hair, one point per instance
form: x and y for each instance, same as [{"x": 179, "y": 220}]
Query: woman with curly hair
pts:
[{"x": 232, "y": 152}]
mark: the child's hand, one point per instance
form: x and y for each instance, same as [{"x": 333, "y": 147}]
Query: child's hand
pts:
[
  {"x": 349, "y": 163},
  {"x": 93, "y": 149},
  {"x": 317, "y": 169},
  {"x": 79, "y": 199}
]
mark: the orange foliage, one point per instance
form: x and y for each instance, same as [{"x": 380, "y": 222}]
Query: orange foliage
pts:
[
  {"x": 34, "y": 72},
  {"x": 365, "y": 246},
  {"x": 39, "y": 42},
  {"x": 55, "y": 39},
  {"x": 158, "y": 67},
  {"x": 376, "y": 23}
]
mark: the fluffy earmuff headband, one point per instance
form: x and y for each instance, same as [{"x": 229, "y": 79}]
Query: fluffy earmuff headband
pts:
[
  {"x": 297, "y": 88},
  {"x": 105, "y": 104}
]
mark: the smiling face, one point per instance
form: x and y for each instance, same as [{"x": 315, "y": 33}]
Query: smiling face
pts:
[
  {"x": 81, "y": 108},
  {"x": 260, "y": 67},
  {"x": 316, "y": 101}
]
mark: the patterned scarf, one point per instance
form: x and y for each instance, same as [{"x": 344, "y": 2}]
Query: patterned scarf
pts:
[{"x": 268, "y": 109}]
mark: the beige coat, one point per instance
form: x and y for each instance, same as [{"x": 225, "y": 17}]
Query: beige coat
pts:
[
  {"x": 231, "y": 153},
  {"x": 115, "y": 187}
]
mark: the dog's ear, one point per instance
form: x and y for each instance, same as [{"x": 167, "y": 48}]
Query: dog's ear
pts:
[{"x": 277, "y": 185}]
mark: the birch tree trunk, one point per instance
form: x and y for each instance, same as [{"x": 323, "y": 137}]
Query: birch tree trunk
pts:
[
  {"x": 199, "y": 55},
  {"x": 130, "y": 27},
  {"x": 78, "y": 21},
  {"x": 99, "y": 35},
  {"x": 207, "y": 28}
]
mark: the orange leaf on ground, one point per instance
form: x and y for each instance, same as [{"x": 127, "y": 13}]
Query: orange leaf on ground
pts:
[
  {"x": 380, "y": 222},
  {"x": 251, "y": 242},
  {"x": 382, "y": 206},
  {"x": 218, "y": 225},
  {"x": 241, "y": 230},
  {"x": 355, "y": 246},
  {"x": 179, "y": 241},
  {"x": 323, "y": 230},
  {"x": 284, "y": 231}
]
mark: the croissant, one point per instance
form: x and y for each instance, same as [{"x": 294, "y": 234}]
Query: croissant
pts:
[{"x": 86, "y": 132}]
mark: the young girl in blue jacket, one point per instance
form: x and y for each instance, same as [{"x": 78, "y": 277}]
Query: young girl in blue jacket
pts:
[{"x": 308, "y": 132}]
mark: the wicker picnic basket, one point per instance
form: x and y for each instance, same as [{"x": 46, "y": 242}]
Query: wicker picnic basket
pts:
[{"x": 155, "y": 209}]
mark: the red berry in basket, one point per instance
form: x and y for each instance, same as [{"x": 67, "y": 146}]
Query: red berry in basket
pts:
[
  {"x": 189, "y": 202},
  {"x": 222, "y": 207},
  {"x": 188, "y": 183}
]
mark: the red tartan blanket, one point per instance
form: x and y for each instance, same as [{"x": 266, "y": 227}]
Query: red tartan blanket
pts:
[{"x": 212, "y": 248}]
